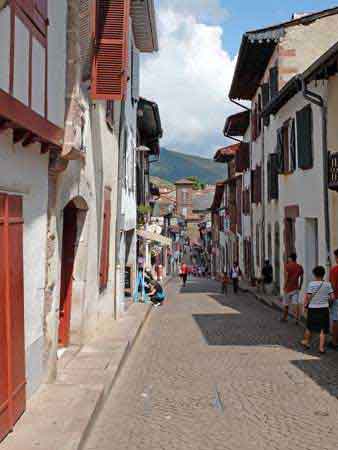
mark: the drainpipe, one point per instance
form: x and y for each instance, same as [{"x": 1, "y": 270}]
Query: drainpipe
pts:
[{"x": 318, "y": 100}]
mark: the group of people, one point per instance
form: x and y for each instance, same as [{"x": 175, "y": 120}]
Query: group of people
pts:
[{"x": 320, "y": 302}]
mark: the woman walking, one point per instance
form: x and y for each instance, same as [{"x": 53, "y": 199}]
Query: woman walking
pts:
[
  {"x": 317, "y": 300},
  {"x": 236, "y": 273}
]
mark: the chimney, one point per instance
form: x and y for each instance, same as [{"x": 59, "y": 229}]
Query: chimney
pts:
[{"x": 299, "y": 15}]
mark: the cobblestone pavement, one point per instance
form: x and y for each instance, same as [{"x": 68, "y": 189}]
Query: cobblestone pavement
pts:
[{"x": 215, "y": 372}]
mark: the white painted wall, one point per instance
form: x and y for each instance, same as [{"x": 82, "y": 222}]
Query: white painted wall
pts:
[{"x": 24, "y": 171}]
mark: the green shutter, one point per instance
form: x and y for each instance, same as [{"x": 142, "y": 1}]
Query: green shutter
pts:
[
  {"x": 293, "y": 146},
  {"x": 273, "y": 82},
  {"x": 274, "y": 194},
  {"x": 304, "y": 138},
  {"x": 280, "y": 154},
  {"x": 266, "y": 100},
  {"x": 269, "y": 177}
]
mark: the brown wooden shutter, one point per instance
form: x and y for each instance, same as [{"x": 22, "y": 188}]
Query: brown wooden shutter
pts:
[
  {"x": 110, "y": 63},
  {"x": 259, "y": 184},
  {"x": 304, "y": 138},
  {"x": 293, "y": 162},
  {"x": 12, "y": 330},
  {"x": 266, "y": 101},
  {"x": 85, "y": 38},
  {"x": 280, "y": 150},
  {"x": 104, "y": 260},
  {"x": 286, "y": 151},
  {"x": 239, "y": 204}
]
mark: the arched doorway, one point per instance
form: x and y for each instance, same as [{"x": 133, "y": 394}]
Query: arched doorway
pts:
[{"x": 70, "y": 316}]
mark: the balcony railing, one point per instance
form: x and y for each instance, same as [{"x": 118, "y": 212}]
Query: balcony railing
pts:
[{"x": 333, "y": 171}]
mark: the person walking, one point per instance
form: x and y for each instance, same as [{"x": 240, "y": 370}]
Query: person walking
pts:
[
  {"x": 184, "y": 272},
  {"x": 225, "y": 282},
  {"x": 334, "y": 307},
  {"x": 267, "y": 276},
  {"x": 294, "y": 277},
  {"x": 235, "y": 275},
  {"x": 317, "y": 299}
]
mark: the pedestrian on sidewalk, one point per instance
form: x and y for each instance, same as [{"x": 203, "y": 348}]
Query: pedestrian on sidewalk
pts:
[
  {"x": 236, "y": 273},
  {"x": 156, "y": 294},
  {"x": 225, "y": 282},
  {"x": 294, "y": 276},
  {"x": 317, "y": 300},
  {"x": 267, "y": 276},
  {"x": 334, "y": 307},
  {"x": 184, "y": 272}
]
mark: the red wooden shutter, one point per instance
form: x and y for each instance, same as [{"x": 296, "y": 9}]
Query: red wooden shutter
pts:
[
  {"x": 110, "y": 64},
  {"x": 12, "y": 359},
  {"x": 5, "y": 420},
  {"x": 37, "y": 11},
  {"x": 104, "y": 261}
]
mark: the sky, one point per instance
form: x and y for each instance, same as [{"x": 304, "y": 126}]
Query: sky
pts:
[{"x": 190, "y": 76}]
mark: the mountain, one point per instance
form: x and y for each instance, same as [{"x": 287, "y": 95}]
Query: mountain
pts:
[{"x": 174, "y": 165}]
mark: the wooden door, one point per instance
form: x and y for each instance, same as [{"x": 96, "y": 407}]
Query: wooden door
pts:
[
  {"x": 67, "y": 269},
  {"x": 12, "y": 330}
]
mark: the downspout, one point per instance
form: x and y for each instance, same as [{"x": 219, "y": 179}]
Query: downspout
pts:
[{"x": 318, "y": 100}]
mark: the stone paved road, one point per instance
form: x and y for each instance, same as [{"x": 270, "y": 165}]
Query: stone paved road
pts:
[{"x": 215, "y": 372}]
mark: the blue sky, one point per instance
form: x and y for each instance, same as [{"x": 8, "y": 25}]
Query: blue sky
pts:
[
  {"x": 247, "y": 15},
  {"x": 191, "y": 75}
]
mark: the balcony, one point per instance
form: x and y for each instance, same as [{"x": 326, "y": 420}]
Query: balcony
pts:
[{"x": 333, "y": 171}]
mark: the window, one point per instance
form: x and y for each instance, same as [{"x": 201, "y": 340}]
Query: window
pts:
[
  {"x": 104, "y": 259},
  {"x": 185, "y": 212},
  {"x": 286, "y": 147},
  {"x": 246, "y": 202},
  {"x": 304, "y": 138},
  {"x": 110, "y": 114},
  {"x": 259, "y": 116},
  {"x": 274, "y": 84}
]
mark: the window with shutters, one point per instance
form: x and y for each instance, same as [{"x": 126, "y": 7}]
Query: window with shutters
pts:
[
  {"x": 37, "y": 13},
  {"x": 286, "y": 148},
  {"x": 85, "y": 37},
  {"x": 239, "y": 204},
  {"x": 253, "y": 186},
  {"x": 105, "y": 246},
  {"x": 258, "y": 184},
  {"x": 259, "y": 116},
  {"x": 274, "y": 84},
  {"x": 305, "y": 138},
  {"x": 110, "y": 59}
]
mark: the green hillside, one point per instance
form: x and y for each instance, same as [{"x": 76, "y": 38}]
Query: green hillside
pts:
[{"x": 174, "y": 165}]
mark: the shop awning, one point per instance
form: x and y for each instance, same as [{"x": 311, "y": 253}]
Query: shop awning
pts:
[{"x": 148, "y": 236}]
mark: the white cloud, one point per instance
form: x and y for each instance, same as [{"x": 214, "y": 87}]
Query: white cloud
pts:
[{"x": 190, "y": 77}]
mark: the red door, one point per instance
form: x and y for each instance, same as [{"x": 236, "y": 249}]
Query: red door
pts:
[
  {"x": 12, "y": 344},
  {"x": 67, "y": 268}
]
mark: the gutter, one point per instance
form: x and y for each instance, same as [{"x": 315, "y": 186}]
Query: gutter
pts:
[{"x": 318, "y": 100}]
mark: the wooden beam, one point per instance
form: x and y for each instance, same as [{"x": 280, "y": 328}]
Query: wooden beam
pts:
[
  {"x": 5, "y": 125},
  {"x": 19, "y": 134},
  {"x": 16, "y": 112},
  {"x": 31, "y": 138}
]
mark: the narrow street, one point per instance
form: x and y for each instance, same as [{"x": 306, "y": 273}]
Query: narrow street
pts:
[{"x": 215, "y": 372}]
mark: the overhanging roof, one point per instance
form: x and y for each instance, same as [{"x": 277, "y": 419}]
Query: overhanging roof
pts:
[
  {"x": 322, "y": 68},
  {"x": 226, "y": 154},
  {"x": 237, "y": 124},
  {"x": 144, "y": 25},
  {"x": 257, "y": 48}
]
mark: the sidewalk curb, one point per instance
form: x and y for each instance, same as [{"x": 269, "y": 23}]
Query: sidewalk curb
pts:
[{"x": 111, "y": 381}]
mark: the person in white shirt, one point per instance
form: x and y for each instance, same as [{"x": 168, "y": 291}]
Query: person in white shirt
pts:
[
  {"x": 235, "y": 274},
  {"x": 317, "y": 300}
]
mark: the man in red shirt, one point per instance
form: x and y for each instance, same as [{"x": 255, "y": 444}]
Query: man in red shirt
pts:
[
  {"x": 184, "y": 272},
  {"x": 294, "y": 276},
  {"x": 334, "y": 308}
]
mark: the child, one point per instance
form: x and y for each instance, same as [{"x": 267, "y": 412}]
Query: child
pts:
[{"x": 225, "y": 282}]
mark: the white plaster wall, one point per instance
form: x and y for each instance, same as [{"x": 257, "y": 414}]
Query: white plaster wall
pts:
[
  {"x": 4, "y": 48},
  {"x": 21, "y": 62},
  {"x": 57, "y": 14},
  {"x": 25, "y": 171},
  {"x": 333, "y": 147},
  {"x": 38, "y": 78}
]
